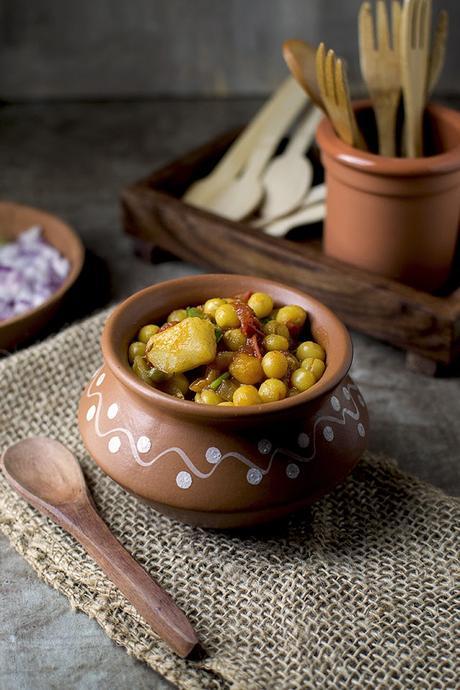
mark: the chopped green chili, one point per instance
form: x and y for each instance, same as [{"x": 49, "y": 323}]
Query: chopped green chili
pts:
[
  {"x": 216, "y": 383},
  {"x": 193, "y": 311}
]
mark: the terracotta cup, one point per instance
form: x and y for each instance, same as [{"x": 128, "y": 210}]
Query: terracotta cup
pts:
[
  {"x": 397, "y": 217},
  {"x": 222, "y": 466}
]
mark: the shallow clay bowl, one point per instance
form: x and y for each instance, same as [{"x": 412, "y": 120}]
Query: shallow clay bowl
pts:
[
  {"x": 215, "y": 466},
  {"x": 14, "y": 219}
]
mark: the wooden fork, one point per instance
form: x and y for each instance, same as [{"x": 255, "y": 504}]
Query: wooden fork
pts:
[
  {"x": 333, "y": 85},
  {"x": 415, "y": 50},
  {"x": 379, "y": 55}
]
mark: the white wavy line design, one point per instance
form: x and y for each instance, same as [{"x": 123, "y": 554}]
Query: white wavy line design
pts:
[
  {"x": 353, "y": 414},
  {"x": 334, "y": 420}
]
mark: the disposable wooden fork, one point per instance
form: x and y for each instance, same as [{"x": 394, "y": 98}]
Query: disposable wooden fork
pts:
[
  {"x": 415, "y": 50},
  {"x": 379, "y": 54},
  {"x": 333, "y": 85}
]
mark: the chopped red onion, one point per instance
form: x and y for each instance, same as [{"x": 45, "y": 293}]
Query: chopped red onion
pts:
[{"x": 30, "y": 271}]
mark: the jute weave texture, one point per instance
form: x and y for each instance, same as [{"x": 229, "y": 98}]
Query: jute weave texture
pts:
[{"x": 360, "y": 591}]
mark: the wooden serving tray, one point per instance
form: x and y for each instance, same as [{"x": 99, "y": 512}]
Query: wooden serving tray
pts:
[{"x": 426, "y": 326}]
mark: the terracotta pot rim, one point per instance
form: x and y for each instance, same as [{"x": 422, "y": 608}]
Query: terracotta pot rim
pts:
[
  {"x": 374, "y": 164},
  {"x": 75, "y": 265},
  {"x": 120, "y": 369}
]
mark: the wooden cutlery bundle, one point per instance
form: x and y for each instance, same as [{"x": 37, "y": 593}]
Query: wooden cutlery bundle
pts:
[
  {"x": 249, "y": 178},
  {"x": 273, "y": 191}
]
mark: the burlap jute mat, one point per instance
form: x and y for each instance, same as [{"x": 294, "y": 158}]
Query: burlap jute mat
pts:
[{"x": 361, "y": 591}]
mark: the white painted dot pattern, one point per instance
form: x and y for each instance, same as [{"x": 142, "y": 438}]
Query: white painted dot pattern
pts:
[
  {"x": 328, "y": 433},
  {"x": 264, "y": 446},
  {"x": 335, "y": 402},
  {"x": 143, "y": 444},
  {"x": 303, "y": 440},
  {"x": 91, "y": 412},
  {"x": 213, "y": 455},
  {"x": 100, "y": 380},
  {"x": 292, "y": 470},
  {"x": 114, "y": 444},
  {"x": 184, "y": 480},
  {"x": 254, "y": 476},
  {"x": 112, "y": 411}
]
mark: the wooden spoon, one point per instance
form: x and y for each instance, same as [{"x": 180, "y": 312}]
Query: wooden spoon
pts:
[
  {"x": 288, "y": 177},
  {"x": 300, "y": 57},
  {"x": 314, "y": 195},
  {"x": 303, "y": 216},
  {"x": 49, "y": 477},
  {"x": 243, "y": 195},
  {"x": 280, "y": 110}
]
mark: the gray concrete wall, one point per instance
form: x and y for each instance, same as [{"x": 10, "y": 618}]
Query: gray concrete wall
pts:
[{"x": 126, "y": 48}]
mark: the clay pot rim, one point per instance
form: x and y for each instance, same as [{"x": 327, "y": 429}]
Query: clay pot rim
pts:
[
  {"x": 374, "y": 164},
  {"x": 75, "y": 245},
  {"x": 330, "y": 379}
]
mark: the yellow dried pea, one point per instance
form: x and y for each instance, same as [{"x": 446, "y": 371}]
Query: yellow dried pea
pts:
[
  {"x": 226, "y": 316},
  {"x": 186, "y": 345},
  {"x": 274, "y": 328},
  {"x": 177, "y": 315},
  {"x": 272, "y": 390},
  {"x": 210, "y": 397},
  {"x": 315, "y": 365},
  {"x": 302, "y": 379},
  {"x": 274, "y": 364},
  {"x": 136, "y": 349},
  {"x": 276, "y": 342},
  {"x": 310, "y": 349},
  {"x": 292, "y": 313},
  {"x": 177, "y": 386},
  {"x": 212, "y": 304},
  {"x": 293, "y": 362},
  {"x": 246, "y": 368},
  {"x": 146, "y": 332},
  {"x": 246, "y": 395},
  {"x": 261, "y": 304},
  {"x": 227, "y": 403},
  {"x": 234, "y": 339}
]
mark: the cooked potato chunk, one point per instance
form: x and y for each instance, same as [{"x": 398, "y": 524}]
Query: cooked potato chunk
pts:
[{"x": 186, "y": 345}]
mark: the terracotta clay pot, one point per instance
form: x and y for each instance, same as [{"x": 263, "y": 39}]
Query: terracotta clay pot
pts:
[
  {"x": 397, "y": 217},
  {"x": 222, "y": 466},
  {"x": 14, "y": 219}
]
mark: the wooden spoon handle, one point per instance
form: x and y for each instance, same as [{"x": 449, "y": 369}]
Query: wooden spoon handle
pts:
[
  {"x": 150, "y": 600},
  {"x": 300, "y": 141},
  {"x": 278, "y": 111}
]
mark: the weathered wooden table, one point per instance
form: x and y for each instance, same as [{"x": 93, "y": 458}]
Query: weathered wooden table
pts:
[{"x": 73, "y": 159}]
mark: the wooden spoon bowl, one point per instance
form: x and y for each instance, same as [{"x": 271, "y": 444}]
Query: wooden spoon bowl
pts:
[{"x": 49, "y": 477}]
